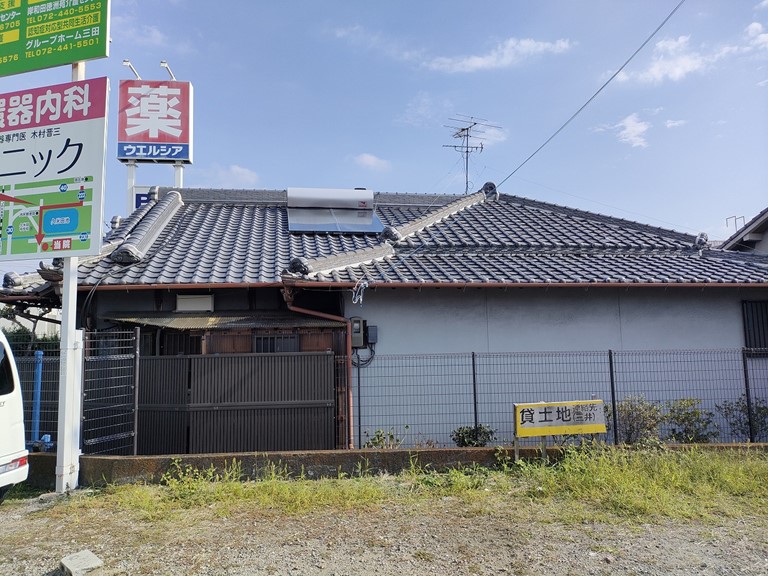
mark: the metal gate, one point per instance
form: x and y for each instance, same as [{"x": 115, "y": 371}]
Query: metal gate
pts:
[
  {"x": 236, "y": 403},
  {"x": 110, "y": 372}
]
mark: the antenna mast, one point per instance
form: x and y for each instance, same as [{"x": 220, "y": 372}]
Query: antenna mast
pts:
[{"x": 464, "y": 133}]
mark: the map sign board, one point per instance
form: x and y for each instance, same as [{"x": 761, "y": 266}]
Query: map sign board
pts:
[
  {"x": 52, "y": 148},
  {"x": 37, "y": 34},
  {"x": 154, "y": 122},
  {"x": 556, "y": 418}
]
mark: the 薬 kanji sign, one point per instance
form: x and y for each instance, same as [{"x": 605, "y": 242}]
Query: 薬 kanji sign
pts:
[
  {"x": 37, "y": 34},
  {"x": 554, "y": 418},
  {"x": 52, "y": 145},
  {"x": 154, "y": 122}
]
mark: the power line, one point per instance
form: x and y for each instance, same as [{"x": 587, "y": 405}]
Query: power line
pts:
[{"x": 635, "y": 53}]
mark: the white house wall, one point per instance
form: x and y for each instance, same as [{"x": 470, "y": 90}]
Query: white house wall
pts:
[
  {"x": 427, "y": 321},
  {"x": 421, "y": 384}
]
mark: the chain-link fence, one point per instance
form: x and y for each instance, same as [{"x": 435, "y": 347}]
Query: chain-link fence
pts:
[
  {"x": 109, "y": 390},
  {"x": 672, "y": 395},
  {"x": 420, "y": 400}
]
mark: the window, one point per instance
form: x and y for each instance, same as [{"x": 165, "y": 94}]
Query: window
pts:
[
  {"x": 6, "y": 374},
  {"x": 755, "y": 324}
]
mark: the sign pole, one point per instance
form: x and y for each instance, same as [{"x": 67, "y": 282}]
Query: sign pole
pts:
[
  {"x": 131, "y": 166},
  {"x": 70, "y": 372},
  {"x": 178, "y": 175},
  {"x": 70, "y": 385}
]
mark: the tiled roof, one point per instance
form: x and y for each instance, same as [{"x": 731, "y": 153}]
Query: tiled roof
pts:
[
  {"x": 758, "y": 224},
  {"x": 241, "y": 237}
]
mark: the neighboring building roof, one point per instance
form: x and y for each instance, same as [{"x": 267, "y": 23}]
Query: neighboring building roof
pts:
[
  {"x": 227, "y": 238},
  {"x": 754, "y": 233}
]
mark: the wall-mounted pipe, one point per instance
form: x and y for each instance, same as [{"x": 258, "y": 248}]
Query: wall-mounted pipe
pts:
[{"x": 307, "y": 312}]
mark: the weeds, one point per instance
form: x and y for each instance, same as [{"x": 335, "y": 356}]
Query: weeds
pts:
[
  {"x": 384, "y": 439},
  {"x": 692, "y": 483},
  {"x": 591, "y": 481}
]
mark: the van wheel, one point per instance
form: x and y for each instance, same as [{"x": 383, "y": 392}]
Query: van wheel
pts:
[{"x": 3, "y": 492}]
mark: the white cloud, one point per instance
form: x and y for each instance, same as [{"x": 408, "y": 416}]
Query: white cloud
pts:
[
  {"x": 756, "y": 36},
  {"x": 424, "y": 110},
  {"x": 631, "y": 130},
  {"x": 360, "y": 37},
  {"x": 127, "y": 27},
  {"x": 508, "y": 53},
  {"x": 130, "y": 27},
  {"x": 232, "y": 176},
  {"x": 763, "y": 4},
  {"x": 674, "y": 59},
  {"x": 371, "y": 162},
  {"x": 491, "y": 135},
  {"x": 505, "y": 54},
  {"x": 675, "y": 123}
]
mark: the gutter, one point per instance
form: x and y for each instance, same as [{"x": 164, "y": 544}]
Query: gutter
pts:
[
  {"x": 509, "y": 285},
  {"x": 287, "y": 295}
]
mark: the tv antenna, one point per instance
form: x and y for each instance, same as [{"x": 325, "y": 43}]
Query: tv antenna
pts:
[
  {"x": 467, "y": 131},
  {"x": 735, "y": 220}
]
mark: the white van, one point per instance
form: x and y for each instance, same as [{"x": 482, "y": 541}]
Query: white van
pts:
[{"x": 14, "y": 466}]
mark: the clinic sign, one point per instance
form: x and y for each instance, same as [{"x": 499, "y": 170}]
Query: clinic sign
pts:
[
  {"x": 557, "y": 418},
  {"x": 52, "y": 143},
  {"x": 154, "y": 122},
  {"x": 37, "y": 34}
]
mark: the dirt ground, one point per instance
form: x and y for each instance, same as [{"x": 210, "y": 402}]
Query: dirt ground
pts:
[{"x": 444, "y": 536}]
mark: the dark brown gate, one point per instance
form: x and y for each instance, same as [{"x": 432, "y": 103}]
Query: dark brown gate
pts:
[{"x": 236, "y": 403}]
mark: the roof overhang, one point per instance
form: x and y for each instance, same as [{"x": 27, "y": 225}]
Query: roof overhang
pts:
[{"x": 222, "y": 320}]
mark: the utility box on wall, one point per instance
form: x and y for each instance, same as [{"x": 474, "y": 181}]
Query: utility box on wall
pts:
[{"x": 358, "y": 332}]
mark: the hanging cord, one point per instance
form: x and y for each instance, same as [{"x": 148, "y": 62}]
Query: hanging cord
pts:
[
  {"x": 358, "y": 290},
  {"x": 359, "y": 362}
]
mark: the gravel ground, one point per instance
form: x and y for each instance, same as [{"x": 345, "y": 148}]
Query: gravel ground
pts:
[{"x": 445, "y": 536}]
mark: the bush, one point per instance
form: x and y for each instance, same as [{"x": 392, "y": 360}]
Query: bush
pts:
[
  {"x": 689, "y": 423},
  {"x": 473, "y": 436},
  {"x": 736, "y": 413},
  {"x": 638, "y": 419},
  {"x": 24, "y": 342}
]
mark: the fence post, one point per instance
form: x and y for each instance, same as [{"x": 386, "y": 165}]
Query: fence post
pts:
[
  {"x": 614, "y": 408},
  {"x": 37, "y": 392},
  {"x": 748, "y": 394},
  {"x": 136, "y": 352},
  {"x": 474, "y": 387}
]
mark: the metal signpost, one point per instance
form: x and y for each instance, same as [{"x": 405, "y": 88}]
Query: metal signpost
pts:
[{"x": 52, "y": 152}]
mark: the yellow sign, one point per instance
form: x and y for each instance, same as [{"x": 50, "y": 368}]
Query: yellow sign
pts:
[{"x": 555, "y": 418}]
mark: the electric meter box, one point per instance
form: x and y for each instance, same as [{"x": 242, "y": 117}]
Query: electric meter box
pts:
[{"x": 359, "y": 329}]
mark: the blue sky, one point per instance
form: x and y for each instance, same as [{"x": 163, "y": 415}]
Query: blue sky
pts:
[{"x": 340, "y": 94}]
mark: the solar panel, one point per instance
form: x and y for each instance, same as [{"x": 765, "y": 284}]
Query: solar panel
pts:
[{"x": 334, "y": 221}]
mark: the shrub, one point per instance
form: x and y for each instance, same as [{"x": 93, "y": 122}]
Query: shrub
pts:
[
  {"x": 638, "y": 419},
  {"x": 736, "y": 413},
  {"x": 689, "y": 423},
  {"x": 473, "y": 436}
]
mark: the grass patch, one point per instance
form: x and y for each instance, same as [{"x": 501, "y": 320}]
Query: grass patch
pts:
[
  {"x": 588, "y": 484},
  {"x": 691, "y": 483}
]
